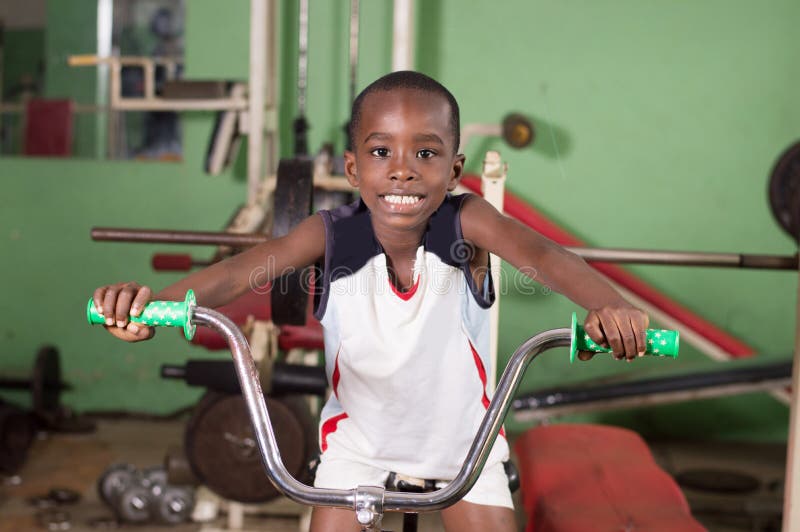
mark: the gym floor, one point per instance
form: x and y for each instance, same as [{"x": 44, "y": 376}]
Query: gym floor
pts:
[{"x": 749, "y": 500}]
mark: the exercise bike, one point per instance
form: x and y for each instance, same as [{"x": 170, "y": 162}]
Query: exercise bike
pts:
[{"x": 370, "y": 502}]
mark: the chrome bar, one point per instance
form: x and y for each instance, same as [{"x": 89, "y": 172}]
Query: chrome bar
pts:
[
  {"x": 686, "y": 258},
  {"x": 487, "y": 432},
  {"x": 163, "y": 236},
  {"x": 371, "y": 501},
  {"x": 615, "y": 255},
  {"x": 262, "y": 426}
]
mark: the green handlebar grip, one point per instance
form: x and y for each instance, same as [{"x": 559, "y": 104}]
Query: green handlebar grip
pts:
[
  {"x": 158, "y": 314},
  {"x": 660, "y": 342}
]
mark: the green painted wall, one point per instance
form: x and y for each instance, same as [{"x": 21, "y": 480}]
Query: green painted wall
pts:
[
  {"x": 658, "y": 124},
  {"x": 72, "y": 29},
  {"x": 23, "y": 54},
  {"x": 23, "y": 51}
]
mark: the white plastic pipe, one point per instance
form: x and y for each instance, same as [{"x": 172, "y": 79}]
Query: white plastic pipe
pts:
[
  {"x": 257, "y": 87},
  {"x": 403, "y": 36},
  {"x": 493, "y": 184}
]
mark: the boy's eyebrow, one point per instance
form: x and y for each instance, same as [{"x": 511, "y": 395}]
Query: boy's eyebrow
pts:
[
  {"x": 428, "y": 137},
  {"x": 419, "y": 137},
  {"x": 376, "y": 135}
]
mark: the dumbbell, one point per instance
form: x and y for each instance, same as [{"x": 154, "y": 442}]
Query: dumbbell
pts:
[
  {"x": 45, "y": 382},
  {"x": 141, "y": 496},
  {"x": 120, "y": 488},
  {"x": 220, "y": 376},
  {"x": 168, "y": 504},
  {"x": 173, "y": 505},
  {"x": 17, "y": 430}
]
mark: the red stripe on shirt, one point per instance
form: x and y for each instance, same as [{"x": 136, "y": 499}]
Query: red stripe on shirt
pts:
[
  {"x": 482, "y": 375},
  {"x": 328, "y": 428},
  {"x": 405, "y": 296},
  {"x": 335, "y": 376}
]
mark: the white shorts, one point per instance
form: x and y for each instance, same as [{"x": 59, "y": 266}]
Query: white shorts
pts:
[{"x": 490, "y": 489}]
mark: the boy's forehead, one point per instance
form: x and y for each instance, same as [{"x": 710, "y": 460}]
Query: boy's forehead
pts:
[
  {"x": 383, "y": 106},
  {"x": 380, "y": 103}
]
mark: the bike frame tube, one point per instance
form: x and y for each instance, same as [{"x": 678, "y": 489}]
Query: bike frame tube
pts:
[{"x": 370, "y": 502}]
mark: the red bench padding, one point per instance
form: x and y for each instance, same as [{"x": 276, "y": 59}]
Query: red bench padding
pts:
[
  {"x": 48, "y": 128},
  {"x": 580, "y": 478}
]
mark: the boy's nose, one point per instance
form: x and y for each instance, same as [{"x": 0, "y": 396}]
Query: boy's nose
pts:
[{"x": 403, "y": 173}]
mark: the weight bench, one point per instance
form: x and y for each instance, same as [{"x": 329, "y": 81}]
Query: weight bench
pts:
[{"x": 579, "y": 478}]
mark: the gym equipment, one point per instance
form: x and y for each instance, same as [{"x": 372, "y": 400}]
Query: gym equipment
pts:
[
  {"x": 300, "y": 123},
  {"x": 550, "y": 403},
  {"x": 114, "y": 481},
  {"x": 709, "y": 338},
  {"x": 54, "y": 519},
  {"x": 150, "y": 101},
  {"x": 660, "y": 342},
  {"x": 578, "y": 477},
  {"x": 45, "y": 383},
  {"x": 179, "y": 472},
  {"x": 55, "y": 497},
  {"x": 784, "y": 191},
  {"x": 293, "y": 193},
  {"x": 144, "y": 496},
  {"x": 173, "y": 505},
  {"x": 120, "y": 488},
  {"x": 613, "y": 255},
  {"x": 222, "y": 451},
  {"x": 515, "y": 129},
  {"x": 225, "y": 139},
  {"x": 220, "y": 376},
  {"x": 518, "y": 130},
  {"x": 352, "y": 64},
  {"x": 17, "y": 430},
  {"x": 368, "y": 502}
]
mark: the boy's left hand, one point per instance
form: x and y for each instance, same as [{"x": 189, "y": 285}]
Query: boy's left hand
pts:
[{"x": 622, "y": 328}]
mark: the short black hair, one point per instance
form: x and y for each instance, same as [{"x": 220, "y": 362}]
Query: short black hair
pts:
[{"x": 406, "y": 79}]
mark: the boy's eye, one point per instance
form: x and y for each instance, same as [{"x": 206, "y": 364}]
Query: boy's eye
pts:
[
  {"x": 380, "y": 152},
  {"x": 425, "y": 154}
]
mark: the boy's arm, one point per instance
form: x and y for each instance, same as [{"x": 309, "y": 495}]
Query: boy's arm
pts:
[
  {"x": 218, "y": 284},
  {"x": 611, "y": 320}
]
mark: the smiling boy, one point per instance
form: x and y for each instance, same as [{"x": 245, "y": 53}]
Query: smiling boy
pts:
[{"x": 404, "y": 308}]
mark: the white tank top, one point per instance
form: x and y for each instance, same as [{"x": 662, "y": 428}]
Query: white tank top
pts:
[{"x": 408, "y": 370}]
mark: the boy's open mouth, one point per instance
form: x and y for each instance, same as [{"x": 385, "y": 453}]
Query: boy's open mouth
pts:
[{"x": 402, "y": 200}]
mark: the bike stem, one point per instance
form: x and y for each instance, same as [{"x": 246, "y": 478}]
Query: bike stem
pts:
[{"x": 370, "y": 502}]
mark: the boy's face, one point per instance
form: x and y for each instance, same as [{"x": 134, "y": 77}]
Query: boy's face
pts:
[{"x": 403, "y": 160}]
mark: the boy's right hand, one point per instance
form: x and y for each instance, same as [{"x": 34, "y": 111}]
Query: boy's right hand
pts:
[{"x": 115, "y": 302}]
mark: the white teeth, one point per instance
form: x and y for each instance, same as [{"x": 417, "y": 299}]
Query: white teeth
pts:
[{"x": 401, "y": 200}]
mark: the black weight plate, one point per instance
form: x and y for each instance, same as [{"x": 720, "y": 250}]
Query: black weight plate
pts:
[
  {"x": 784, "y": 191},
  {"x": 293, "y": 198},
  {"x": 718, "y": 481},
  {"x": 223, "y": 454},
  {"x": 17, "y": 430},
  {"x": 46, "y": 380},
  {"x": 518, "y": 131}
]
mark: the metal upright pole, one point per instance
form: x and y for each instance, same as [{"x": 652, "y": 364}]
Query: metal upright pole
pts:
[
  {"x": 791, "y": 492},
  {"x": 256, "y": 97}
]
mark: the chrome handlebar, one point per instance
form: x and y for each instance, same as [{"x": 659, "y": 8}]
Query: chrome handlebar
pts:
[{"x": 370, "y": 502}]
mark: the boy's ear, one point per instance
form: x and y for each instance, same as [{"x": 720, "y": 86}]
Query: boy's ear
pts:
[
  {"x": 350, "y": 168},
  {"x": 457, "y": 172}
]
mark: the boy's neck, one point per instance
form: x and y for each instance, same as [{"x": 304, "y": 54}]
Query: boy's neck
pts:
[{"x": 399, "y": 243}]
